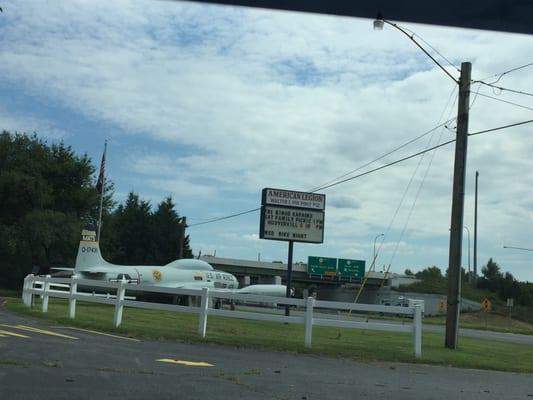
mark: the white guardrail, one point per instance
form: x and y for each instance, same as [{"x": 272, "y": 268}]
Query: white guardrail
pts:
[{"x": 207, "y": 295}]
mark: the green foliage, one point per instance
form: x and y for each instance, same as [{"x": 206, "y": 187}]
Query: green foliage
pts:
[
  {"x": 494, "y": 284},
  {"x": 135, "y": 235},
  {"x": 505, "y": 285},
  {"x": 168, "y": 234},
  {"x": 46, "y": 194},
  {"x": 428, "y": 273}
]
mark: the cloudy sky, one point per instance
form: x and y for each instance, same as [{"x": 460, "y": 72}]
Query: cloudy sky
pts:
[{"x": 211, "y": 104}]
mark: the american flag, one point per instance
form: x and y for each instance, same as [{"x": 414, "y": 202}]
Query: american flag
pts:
[{"x": 100, "y": 183}]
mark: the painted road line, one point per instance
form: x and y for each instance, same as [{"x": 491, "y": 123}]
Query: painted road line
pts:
[
  {"x": 98, "y": 333},
  {"x": 187, "y": 363},
  {"x": 36, "y": 330},
  {"x": 7, "y": 333}
]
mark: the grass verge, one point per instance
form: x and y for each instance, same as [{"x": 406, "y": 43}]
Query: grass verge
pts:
[
  {"x": 360, "y": 345},
  {"x": 487, "y": 322}
]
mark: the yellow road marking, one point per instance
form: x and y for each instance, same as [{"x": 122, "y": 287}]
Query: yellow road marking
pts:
[
  {"x": 36, "y": 330},
  {"x": 187, "y": 363},
  {"x": 98, "y": 333},
  {"x": 6, "y": 333}
]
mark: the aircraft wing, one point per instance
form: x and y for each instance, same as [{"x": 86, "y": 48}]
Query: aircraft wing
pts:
[
  {"x": 62, "y": 268},
  {"x": 179, "y": 285},
  {"x": 93, "y": 270}
]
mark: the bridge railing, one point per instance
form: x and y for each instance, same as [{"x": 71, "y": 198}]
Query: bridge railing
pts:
[{"x": 68, "y": 289}]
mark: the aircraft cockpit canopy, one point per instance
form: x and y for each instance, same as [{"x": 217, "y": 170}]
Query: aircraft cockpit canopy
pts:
[{"x": 190, "y": 264}]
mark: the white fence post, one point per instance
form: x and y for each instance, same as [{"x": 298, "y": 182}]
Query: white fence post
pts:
[
  {"x": 119, "y": 306},
  {"x": 202, "y": 315},
  {"x": 46, "y": 288},
  {"x": 309, "y": 304},
  {"x": 417, "y": 326},
  {"x": 28, "y": 295},
  {"x": 25, "y": 288},
  {"x": 72, "y": 297}
]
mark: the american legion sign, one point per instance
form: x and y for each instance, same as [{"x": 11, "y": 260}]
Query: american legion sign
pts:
[{"x": 292, "y": 216}]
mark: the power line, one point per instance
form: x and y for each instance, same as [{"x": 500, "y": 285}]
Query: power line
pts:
[
  {"x": 501, "y": 127},
  {"x": 389, "y": 164},
  {"x": 209, "y": 221},
  {"x": 226, "y": 217},
  {"x": 383, "y": 156},
  {"x": 420, "y": 186},
  {"x": 501, "y": 74},
  {"x": 411, "y": 37},
  {"x": 333, "y": 184},
  {"x": 475, "y": 95},
  {"x": 391, "y": 223},
  {"x": 505, "y": 101},
  {"x": 504, "y": 89},
  {"x": 373, "y": 170},
  {"x": 433, "y": 48}
]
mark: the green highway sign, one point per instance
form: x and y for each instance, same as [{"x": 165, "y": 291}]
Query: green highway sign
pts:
[
  {"x": 351, "y": 268},
  {"x": 321, "y": 266}
]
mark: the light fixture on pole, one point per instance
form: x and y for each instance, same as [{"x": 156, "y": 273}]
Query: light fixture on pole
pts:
[
  {"x": 379, "y": 23},
  {"x": 517, "y": 248}
]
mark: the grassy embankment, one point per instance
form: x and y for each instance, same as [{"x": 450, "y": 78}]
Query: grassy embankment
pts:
[
  {"x": 496, "y": 319},
  {"x": 490, "y": 321},
  {"x": 362, "y": 345}
]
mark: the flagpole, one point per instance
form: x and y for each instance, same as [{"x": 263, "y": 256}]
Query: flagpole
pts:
[{"x": 102, "y": 191}]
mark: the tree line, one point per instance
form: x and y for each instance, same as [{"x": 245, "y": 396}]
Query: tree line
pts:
[
  {"x": 503, "y": 285},
  {"x": 48, "y": 194}
]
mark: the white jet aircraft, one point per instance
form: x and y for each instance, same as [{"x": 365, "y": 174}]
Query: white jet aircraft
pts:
[{"x": 182, "y": 274}]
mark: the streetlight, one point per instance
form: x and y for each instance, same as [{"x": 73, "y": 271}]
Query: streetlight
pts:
[
  {"x": 456, "y": 231},
  {"x": 517, "y": 248},
  {"x": 380, "y": 22},
  {"x": 376, "y": 238}
]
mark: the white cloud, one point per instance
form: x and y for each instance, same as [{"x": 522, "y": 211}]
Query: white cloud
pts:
[
  {"x": 26, "y": 123},
  {"x": 292, "y": 100}
]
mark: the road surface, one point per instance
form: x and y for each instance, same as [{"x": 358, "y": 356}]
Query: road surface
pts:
[{"x": 39, "y": 361}]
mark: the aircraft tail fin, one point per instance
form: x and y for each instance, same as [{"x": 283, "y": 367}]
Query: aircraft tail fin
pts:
[{"x": 89, "y": 252}]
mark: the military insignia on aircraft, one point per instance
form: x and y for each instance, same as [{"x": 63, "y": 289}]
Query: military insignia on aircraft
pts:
[{"x": 156, "y": 275}]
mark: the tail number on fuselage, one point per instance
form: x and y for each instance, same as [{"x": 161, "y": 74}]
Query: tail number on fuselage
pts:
[{"x": 89, "y": 250}]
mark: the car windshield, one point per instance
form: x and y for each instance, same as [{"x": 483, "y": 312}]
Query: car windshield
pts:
[{"x": 312, "y": 201}]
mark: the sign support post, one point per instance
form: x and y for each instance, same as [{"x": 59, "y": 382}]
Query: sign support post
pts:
[{"x": 289, "y": 277}]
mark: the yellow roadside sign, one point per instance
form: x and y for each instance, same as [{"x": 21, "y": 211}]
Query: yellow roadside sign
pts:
[{"x": 486, "y": 305}]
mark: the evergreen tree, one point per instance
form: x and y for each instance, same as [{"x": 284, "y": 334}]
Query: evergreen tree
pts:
[
  {"x": 135, "y": 235},
  {"x": 133, "y": 232},
  {"x": 167, "y": 232}
]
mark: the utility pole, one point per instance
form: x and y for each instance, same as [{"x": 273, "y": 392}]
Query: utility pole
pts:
[
  {"x": 475, "y": 233},
  {"x": 456, "y": 231}
]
